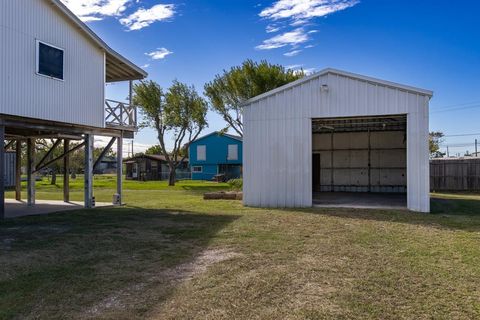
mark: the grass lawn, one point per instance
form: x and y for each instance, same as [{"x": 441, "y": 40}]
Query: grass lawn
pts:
[{"x": 171, "y": 255}]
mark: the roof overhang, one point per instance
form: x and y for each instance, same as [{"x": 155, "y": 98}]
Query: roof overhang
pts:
[
  {"x": 118, "y": 68},
  {"x": 355, "y": 76}
]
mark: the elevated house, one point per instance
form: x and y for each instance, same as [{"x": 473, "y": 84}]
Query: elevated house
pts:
[
  {"x": 147, "y": 167},
  {"x": 54, "y": 70},
  {"x": 216, "y": 154}
]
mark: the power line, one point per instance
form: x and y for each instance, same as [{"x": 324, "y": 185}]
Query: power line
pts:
[
  {"x": 461, "y": 135},
  {"x": 458, "y": 104},
  {"x": 456, "y": 108}
]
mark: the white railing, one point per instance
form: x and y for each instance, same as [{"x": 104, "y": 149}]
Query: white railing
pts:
[{"x": 120, "y": 114}]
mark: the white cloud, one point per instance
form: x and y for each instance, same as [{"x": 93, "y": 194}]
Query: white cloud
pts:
[
  {"x": 297, "y": 14},
  {"x": 145, "y": 66},
  {"x": 159, "y": 54},
  {"x": 93, "y": 10},
  {"x": 292, "y": 38},
  {"x": 294, "y": 66},
  {"x": 301, "y": 11},
  {"x": 292, "y": 53},
  {"x": 272, "y": 28},
  {"x": 309, "y": 71},
  {"x": 144, "y": 17}
]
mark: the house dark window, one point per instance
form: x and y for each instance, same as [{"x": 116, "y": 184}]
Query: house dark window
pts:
[
  {"x": 197, "y": 169},
  {"x": 49, "y": 61}
]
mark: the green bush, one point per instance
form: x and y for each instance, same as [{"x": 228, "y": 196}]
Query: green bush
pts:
[{"x": 236, "y": 184}]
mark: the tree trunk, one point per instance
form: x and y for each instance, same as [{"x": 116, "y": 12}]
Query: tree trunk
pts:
[
  {"x": 54, "y": 177},
  {"x": 171, "y": 177}
]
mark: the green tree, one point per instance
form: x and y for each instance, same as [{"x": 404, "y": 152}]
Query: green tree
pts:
[
  {"x": 228, "y": 91},
  {"x": 180, "y": 112},
  {"x": 434, "y": 141},
  {"x": 154, "y": 150}
]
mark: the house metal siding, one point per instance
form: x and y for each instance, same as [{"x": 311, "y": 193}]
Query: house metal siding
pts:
[
  {"x": 9, "y": 165},
  {"x": 216, "y": 152},
  {"x": 278, "y": 137},
  {"x": 79, "y": 99}
]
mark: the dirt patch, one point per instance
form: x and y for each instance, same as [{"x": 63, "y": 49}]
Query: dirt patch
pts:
[{"x": 178, "y": 274}]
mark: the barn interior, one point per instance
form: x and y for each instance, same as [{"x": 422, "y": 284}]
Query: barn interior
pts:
[{"x": 360, "y": 162}]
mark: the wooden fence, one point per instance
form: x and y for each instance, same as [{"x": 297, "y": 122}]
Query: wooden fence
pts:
[{"x": 461, "y": 174}]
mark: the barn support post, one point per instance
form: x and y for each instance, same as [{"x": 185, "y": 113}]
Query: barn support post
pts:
[
  {"x": 2, "y": 173},
  {"x": 18, "y": 171},
  {"x": 332, "y": 184},
  {"x": 66, "y": 171},
  {"x": 88, "y": 192},
  {"x": 369, "y": 161},
  {"x": 119, "y": 168},
  {"x": 31, "y": 172}
]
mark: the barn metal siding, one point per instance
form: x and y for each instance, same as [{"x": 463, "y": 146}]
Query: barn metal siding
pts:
[
  {"x": 79, "y": 99},
  {"x": 278, "y": 136}
]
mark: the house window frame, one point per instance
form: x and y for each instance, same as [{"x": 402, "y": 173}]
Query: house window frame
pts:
[
  {"x": 205, "y": 153},
  {"x": 194, "y": 171},
  {"x": 37, "y": 60},
  {"x": 228, "y": 152}
]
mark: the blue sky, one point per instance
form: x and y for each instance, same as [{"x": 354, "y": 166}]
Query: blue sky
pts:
[{"x": 430, "y": 44}]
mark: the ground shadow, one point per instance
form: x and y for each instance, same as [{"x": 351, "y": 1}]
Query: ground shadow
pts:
[
  {"x": 86, "y": 261},
  {"x": 456, "y": 214}
]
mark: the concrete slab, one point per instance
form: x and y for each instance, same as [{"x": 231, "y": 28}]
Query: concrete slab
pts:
[
  {"x": 14, "y": 209},
  {"x": 360, "y": 200}
]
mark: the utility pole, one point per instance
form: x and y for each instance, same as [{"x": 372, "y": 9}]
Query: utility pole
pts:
[
  {"x": 476, "y": 154},
  {"x": 448, "y": 154}
]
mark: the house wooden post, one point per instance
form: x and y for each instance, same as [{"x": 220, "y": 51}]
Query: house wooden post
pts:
[
  {"x": 88, "y": 193},
  {"x": 119, "y": 168},
  {"x": 18, "y": 171},
  {"x": 31, "y": 172},
  {"x": 66, "y": 171},
  {"x": 2, "y": 173}
]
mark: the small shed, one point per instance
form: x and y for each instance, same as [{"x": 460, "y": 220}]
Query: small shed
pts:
[
  {"x": 337, "y": 136},
  {"x": 147, "y": 167}
]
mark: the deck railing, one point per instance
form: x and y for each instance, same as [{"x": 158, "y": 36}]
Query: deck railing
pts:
[{"x": 120, "y": 114}]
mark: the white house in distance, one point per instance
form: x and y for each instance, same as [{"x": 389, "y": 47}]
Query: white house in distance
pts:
[
  {"x": 52, "y": 85},
  {"x": 337, "y": 138}
]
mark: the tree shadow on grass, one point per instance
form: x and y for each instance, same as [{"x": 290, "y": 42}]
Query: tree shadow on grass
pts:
[
  {"x": 455, "y": 214},
  {"x": 101, "y": 261}
]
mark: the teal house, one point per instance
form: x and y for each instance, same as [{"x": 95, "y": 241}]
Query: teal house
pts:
[{"x": 216, "y": 154}]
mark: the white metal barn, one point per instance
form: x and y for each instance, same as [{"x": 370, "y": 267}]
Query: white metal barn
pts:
[
  {"x": 337, "y": 138},
  {"x": 52, "y": 85}
]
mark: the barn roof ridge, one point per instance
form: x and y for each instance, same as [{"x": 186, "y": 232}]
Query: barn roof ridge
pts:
[{"x": 355, "y": 76}]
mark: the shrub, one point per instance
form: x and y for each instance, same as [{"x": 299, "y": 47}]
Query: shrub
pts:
[{"x": 236, "y": 184}]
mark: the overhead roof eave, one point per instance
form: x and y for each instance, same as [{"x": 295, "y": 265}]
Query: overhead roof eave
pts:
[{"x": 118, "y": 68}]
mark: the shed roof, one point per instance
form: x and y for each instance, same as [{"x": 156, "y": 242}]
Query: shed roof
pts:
[
  {"x": 157, "y": 157},
  {"x": 118, "y": 68},
  {"x": 342, "y": 73}
]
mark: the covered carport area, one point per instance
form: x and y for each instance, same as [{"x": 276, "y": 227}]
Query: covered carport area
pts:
[{"x": 360, "y": 161}]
